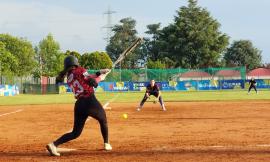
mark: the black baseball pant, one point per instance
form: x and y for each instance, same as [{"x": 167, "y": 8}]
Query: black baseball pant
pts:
[
  {"x": 154, "y": 94},
  {"x": 85, "y": 107},
  {"x": 252, "y": 86}
]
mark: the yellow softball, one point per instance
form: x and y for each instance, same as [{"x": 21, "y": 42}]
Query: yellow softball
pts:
[{"x": 125, "y": 116}]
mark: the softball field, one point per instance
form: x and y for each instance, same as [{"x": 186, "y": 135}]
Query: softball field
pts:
[{"x": 203, "y": 130}]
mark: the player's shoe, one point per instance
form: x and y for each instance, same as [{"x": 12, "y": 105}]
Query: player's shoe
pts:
[
  {"x": 107, "y": 147},
  {"x": 163, "y": 108},
  {"x": 139, "y": 108},
  {"x": 52, "y": 149}
]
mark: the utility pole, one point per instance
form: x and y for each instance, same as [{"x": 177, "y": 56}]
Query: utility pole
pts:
[{"x": 109, "y": 24}]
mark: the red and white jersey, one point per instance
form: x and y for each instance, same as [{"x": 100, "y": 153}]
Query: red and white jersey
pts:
[{"x": 78, "y": 80}]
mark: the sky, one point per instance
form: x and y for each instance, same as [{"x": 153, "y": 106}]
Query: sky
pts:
[{"x": 79, "y": 24}]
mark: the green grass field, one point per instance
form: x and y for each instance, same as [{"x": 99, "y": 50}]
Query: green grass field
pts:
[{"x": 228, "y": 95}]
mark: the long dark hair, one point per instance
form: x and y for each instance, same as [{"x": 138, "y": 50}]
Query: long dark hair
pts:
[{"x": 62, "y": 74}]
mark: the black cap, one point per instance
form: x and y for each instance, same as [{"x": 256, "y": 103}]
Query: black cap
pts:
[{"x": 70, "y": 61}]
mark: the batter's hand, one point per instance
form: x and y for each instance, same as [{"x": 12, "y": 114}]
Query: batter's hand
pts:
[
  {"x": 103, "y": 76},
  {"x": 104, "y": 71},
  {"x": 93, "y": 83}
]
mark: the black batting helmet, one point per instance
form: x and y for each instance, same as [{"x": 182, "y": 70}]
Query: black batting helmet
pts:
[{"x": 70, "y": 61}]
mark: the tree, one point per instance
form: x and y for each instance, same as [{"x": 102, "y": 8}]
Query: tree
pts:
[
  {"x": 96, "y": 60},
  {"x": 169, "y": 63},
  {"x": 243, "y": 53},
  {"x": 124, "y": 36},
  {"x": 51, "y": 59},
  {"x": 155, "y": 64},
  {"x": 152, "y": 45},
  {"x": 8, "y": 62},
  {"x": 22, "y": 53},
  {"x": 194, "y": 39},
  {"x": 73, "y": 53}
]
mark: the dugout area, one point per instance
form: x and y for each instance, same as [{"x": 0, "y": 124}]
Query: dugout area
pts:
[{"x": 188, "y": 131}]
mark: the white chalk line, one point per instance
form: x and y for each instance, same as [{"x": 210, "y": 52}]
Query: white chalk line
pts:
[
  {"x": 164, "y": 148},
  {"x": 108, "y": 102},
  {"x": 263, "y": 145},
  {"x": 65, "y": 149},
  {"x": 217, "y": 146},
  {"x": 11, "y": 112},
  {"x": 256, "y": 145},
  {"x": 62, "y": 149},
  {"x": 203, "y": 147}
]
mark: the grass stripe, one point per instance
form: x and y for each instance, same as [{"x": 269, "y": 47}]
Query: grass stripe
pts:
[{"x": 228, "y": 95}]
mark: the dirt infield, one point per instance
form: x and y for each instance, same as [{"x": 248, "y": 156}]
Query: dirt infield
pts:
[{"x": 188, "y": 131}]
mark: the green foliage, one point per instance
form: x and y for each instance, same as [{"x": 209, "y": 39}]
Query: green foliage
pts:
[
  {"x": 155, "y": 64},
  {"x": 152, "y": 46},
  {"x": 60, "y": 59},
  {"x": 51, "y": 59},
  {"x": 243, "y": 53},
  {"x": 8, "y": 62},
  {"x": 169, "y": 63},
  {"x": 124, "y": 36},
  {"x": 193, "y": 40},
  {"x": 73, "y": 53},
  {"x": 96, "y": 60},
  {"x": 19, "y": 54}
]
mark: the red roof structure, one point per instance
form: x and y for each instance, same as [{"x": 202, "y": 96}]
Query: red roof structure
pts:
[
  {"x": 195, "y": 74},
  {"x": 228, "y": 73},
  {"x": 259, "y": 72}
]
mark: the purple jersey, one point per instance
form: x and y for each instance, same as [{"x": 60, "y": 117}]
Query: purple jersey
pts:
[{"x": 153, "y": 89}]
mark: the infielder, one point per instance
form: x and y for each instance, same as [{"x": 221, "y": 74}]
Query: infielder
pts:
[{"x": 152, "y": 89}]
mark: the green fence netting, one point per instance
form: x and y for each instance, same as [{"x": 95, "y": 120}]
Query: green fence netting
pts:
[{"x": 174, "y": 74}]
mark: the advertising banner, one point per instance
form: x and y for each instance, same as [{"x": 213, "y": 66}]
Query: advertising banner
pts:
[
  {"x": 191, "y": 85},
  {"x": 9, "y": 90}
]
